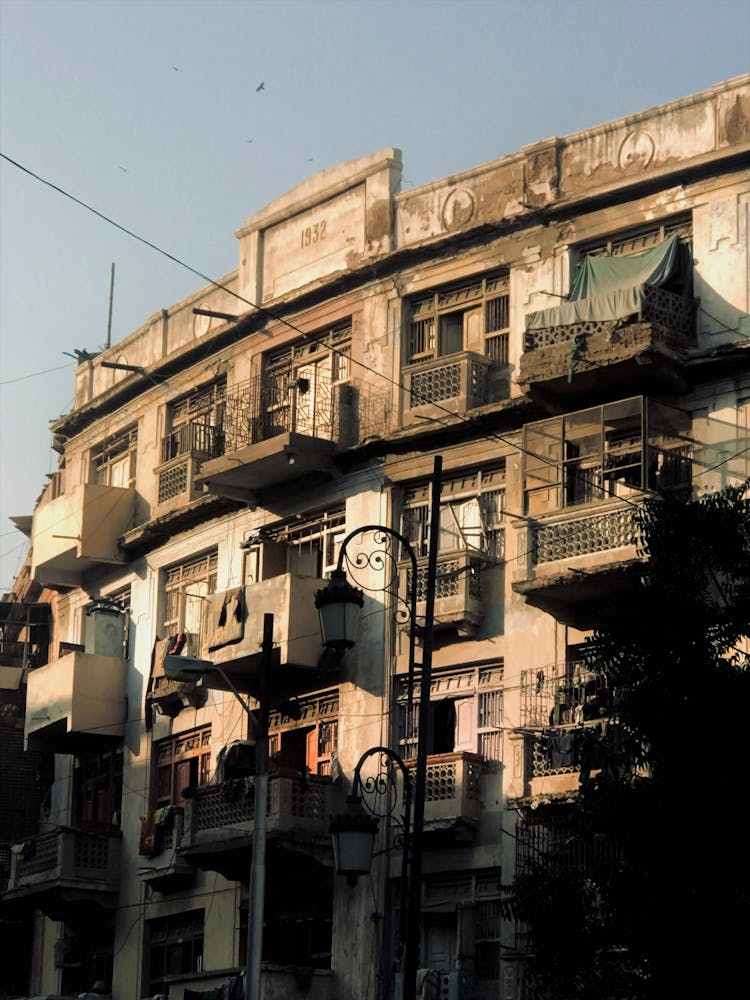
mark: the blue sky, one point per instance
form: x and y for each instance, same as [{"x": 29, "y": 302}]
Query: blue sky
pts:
[{"x": 145, "y": 108}]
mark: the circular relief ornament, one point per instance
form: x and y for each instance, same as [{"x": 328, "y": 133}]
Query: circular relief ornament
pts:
[
  {"x": 637, "y": 150},
  {"x": 458, "y": 209}
]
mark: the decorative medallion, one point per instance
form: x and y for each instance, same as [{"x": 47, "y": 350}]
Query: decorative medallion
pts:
[
  {"x": 458, "y": 209},
  {"x": 637, "y": 150}
]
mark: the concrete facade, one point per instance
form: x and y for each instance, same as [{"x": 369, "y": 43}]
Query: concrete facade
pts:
[{"x": 365, "y": 330}]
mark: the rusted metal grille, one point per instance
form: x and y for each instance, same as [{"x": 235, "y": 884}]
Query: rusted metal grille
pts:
[
  {"x": 198, "y": 438},
  {"x": 584, "y": 535}
]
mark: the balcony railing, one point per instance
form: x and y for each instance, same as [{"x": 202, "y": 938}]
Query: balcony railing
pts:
[
  {"x": 458, "y": 588},
  {"x": 343, "y": 412},
  {"x": 570, "y": 357},
  {"x": 197, "y": 439},
  {"x": 183, "y": 453},
  {"x": 458, "y": 381},
  {"x": 452, "y": 787},
  {"x": 67, "y": 860},
  {"x": 161, "y": 837},
  {"x": 557, "y": 695},
  {"x": 673, "y": 317},
  {"x": 573, "y": 536},
  {"x": 217, "y": 814}
]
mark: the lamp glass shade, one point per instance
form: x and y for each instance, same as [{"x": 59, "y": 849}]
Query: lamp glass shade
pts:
[
  {"x": 353, "y": 835},
  {"x": 339, "y": 607}
]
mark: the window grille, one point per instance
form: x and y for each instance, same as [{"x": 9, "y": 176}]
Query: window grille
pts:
[
  {"x": 187, "y": 587},
  {"x": 181, "y": 762},
  {"x": 113, "y": 461},
  {"x": 175, "y": 948},
  {"x": 438, "y": 320},
  {"x": 481, "y": 688},
  {"x": 472, "y": 513}
]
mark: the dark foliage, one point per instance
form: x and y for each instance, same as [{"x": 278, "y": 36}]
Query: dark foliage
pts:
[{"x": 665, "y": 909}]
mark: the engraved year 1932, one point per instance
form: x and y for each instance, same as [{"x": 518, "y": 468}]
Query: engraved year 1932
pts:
[{"x": 313, "y": 234}]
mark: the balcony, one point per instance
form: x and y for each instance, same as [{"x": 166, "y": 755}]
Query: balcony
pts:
[
  {"x": 76, "y": 704},
  {"x": 66, "y": 872},
  {"x": 219, "y": 821},
  {"x": 576, "y": 559},
  {"x": 453, "y": 800},
  {"x": 565, "y": 711},
  {"x": 24, "y": 640},
  {"x": 183, "y": 453},
  {"x": 589, "y": 357},
  {"x": 275, "y": 435},
  {"x": 78, "y": 530},
  {"x": 234, "y": 632},
  {"x": 458, "y": 590},
  {"x": 161, "y": 866},
  {"x": 456, "y": 382}
]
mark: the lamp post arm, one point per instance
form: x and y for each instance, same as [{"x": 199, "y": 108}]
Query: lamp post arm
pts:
[{"x": 408, "y": 548}]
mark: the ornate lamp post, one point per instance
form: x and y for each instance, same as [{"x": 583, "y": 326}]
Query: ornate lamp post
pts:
[{"x": 339, "y": 605}]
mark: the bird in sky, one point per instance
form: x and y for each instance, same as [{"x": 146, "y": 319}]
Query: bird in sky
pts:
[
  {"x": 261, "y": 86},
  {"x": 248, "y": 140},
  {"x": 177, "y": 69},
  {"x": 124, "y": 169}
]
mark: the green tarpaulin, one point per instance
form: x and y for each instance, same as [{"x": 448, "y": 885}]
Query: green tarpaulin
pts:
[{"x": 611, "y": 287}]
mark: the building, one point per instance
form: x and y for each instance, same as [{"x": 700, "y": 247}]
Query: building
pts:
[{"x": 568, "y": 328}]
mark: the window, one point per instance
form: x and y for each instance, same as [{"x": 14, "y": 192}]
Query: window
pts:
[
  {"x": 97, "y": 791},
  {"x": 307, "y": 547},
  {"x": 304, "y": 735},
  {"x": 472, "y": 509},
  {"x": 181, "y": 762},
  {"x": 194, "y": 421},
  {"x": 121, "y": 599},
  {"x": 298, "y": 385},
  {"x": 466, "y": 711},
  {"x": 113, "y": 461},
  {"x": 175, "y": 947},
  {"x": 469, "y": 317},
  {"x": 187, "y": 587},
  {"x": 194, "y": 433},
  {"x": 613, "y": 450}
]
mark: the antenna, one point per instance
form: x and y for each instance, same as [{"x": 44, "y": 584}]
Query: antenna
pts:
[{"x": 109, "y": 313}]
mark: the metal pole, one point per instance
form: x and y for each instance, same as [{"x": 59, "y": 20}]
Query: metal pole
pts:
[
  {"x": 258, "y": 867},
  {"x": 411, "y": 957},
  {"x": 109, "y": 311}
]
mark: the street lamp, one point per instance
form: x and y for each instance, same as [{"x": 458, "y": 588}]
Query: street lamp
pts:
[{"x": 339, "y": 605}]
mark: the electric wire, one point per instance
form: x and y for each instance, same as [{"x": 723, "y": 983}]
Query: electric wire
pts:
[{"x": 482, "y": 432}]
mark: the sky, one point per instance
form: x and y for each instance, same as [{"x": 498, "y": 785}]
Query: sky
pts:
[{"x": 150, "y": 112}]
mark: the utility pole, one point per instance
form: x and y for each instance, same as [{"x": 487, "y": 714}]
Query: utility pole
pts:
[
  {"x": 411, "y": 952},
  {"x": 257, "y": 886}
]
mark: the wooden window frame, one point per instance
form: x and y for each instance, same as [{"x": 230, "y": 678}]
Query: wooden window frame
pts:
[{"x": 488, "y": 293}]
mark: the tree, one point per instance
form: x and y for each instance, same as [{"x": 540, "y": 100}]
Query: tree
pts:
[{"x": 657, "y": 901}]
